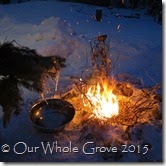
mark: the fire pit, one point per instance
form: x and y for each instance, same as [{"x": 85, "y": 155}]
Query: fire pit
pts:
[{"x": 51, "y": 115}]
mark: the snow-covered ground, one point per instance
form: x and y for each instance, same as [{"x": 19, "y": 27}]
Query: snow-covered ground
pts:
[{"x": 65, "y": 29}]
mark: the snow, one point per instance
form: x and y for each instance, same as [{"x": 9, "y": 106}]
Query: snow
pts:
[{"x": 65, "y": 29}]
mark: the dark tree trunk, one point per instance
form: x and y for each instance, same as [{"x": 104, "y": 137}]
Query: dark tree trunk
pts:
[{"x": 98, "y": 14}]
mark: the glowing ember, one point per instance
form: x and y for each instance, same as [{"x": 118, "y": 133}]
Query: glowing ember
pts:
[{"x": 105, "y": 103}]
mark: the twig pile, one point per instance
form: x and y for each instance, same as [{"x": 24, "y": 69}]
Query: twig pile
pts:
[{"x": 134, "y": 104}]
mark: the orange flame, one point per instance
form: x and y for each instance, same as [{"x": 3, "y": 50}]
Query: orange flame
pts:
[{"x": 104, "y": 101}]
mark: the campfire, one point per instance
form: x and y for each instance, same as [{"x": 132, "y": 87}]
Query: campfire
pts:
[
  {"x": 104, "y": 102},
  {"x": 105, "y": 99},
  {"x": 115, "y": 102}
]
